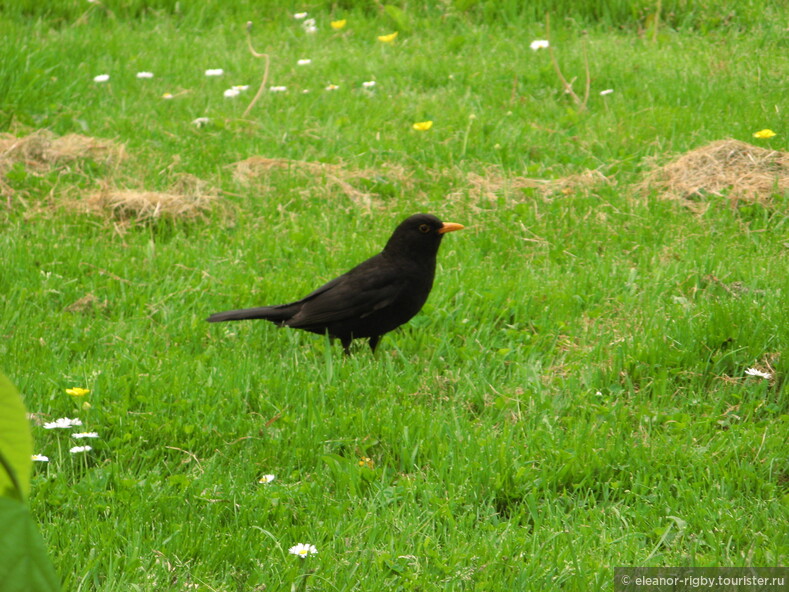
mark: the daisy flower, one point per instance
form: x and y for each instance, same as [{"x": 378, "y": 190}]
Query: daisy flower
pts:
[
  {"x": 303, "y": 550},
  {"x": 277, "y": 88},
  {"x": 78, "y": 449},
  {"x": 607, "y": 91},
  {"x": 299, "y": 16},
  {"x": 332, "y": 87},
  {"x": 539, "y": 44},
  {"x": 80, "y": 435},
  {"x": 758, "y": 373},
  {"x": 201, "y": 121},
  {"x": 144, "y": 74},
  {"x": 232, "y": 92},
  {"x": 101, "y": 78},
  {"x": 167, "y": 96},
  {"x": 62, "y": 423},
  {"x": 214, "y": 72},
  {"x": 40, "y": 458},
  {"x": 266, "y": 479},
  {"x": 368, "y": 84},
  {"x": 304, "y": 62}
]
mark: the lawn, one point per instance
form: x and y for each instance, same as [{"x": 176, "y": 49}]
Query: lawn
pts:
[{"x": 598, "y": 378}]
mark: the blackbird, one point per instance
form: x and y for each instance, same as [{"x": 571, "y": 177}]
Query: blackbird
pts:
[{"x": 371, "y": 299}]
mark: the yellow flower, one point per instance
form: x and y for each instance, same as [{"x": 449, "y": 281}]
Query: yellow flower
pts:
[
  {"x": 337, "y": 25},
  {"x": 77, "y": 391},
  {"x": 388, "y": 38},
  {"x": 764, "y": 134},
  {"x": 423, "y": 126},
  {"x": 366, "y": 462}
]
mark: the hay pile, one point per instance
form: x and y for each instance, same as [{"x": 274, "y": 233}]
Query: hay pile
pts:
[
  {"x": 361, "y": 186},
  {"x": 189, "y": 198},
  {"x": 726, "y": 168},
  {"x": 43, "y": 151},
  {"x": 493, "y": 183}
]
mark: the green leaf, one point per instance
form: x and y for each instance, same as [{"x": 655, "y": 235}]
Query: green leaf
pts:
[
  {"x": 24, "y": 564},
  {"x": 16, "y": 444}
]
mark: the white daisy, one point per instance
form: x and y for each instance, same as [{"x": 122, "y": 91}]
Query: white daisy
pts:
[
  {"x": 368, "y": 84},
  {"x": 539, "y": 44},
  {"x": 266, "y": 479},
  {"x": 85, "y": 435},
  {"x": 101, "y": 78},
  {"x": 607, "y": 91},
  {"x": 303, "y": 550},
  {"x": 214, "y": 72},
  {"x": 278, "y": 88},
  {"x": 304, "y": 62},
  {"x": 62, "y": 423},
  {"x": 332, "y": 87},
  {"x": 144, "y": 74},
  {"x": 232, "y": 92},
  {"x": 759, "y": 373},
  {"x": 40, "y": 458},
  {"x": 300, "y": 16},
  {"x": 201, "y": 121},
  {"x": 78, "y": 449}
]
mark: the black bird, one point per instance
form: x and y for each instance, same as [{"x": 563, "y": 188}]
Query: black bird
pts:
[{"x": 371, "y": 299}]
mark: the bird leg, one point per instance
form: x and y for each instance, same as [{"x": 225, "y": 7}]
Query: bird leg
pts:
[{"x": 374, "y": 342}]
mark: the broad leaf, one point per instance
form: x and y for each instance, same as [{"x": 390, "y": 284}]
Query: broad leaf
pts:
[
  {"x": 16, "y": 444},
  {"x": 24, "y": 564}
]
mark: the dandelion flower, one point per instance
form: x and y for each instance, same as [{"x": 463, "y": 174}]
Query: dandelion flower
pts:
[
  {"x": 278, "y": 88},
  {"x": 77, "y": 391},
  {"x": 201, "y": 121},
  {"x": 62, "y": 423},
  {"x": 81, "y": 435},
  {"x": 144, "y": 74},
  {"x": 337, "y": 25},
  {"x": 300, "y": 16},
  {"x": 423, "y": 126},
  {"x": 232, "y": 92},
  {"x": 78, "y": 449},
  {"x": 759, "y": 373},
  {"x": 764, "y": 134},
  {"x": 167, "y": 96},
  {"x": 266, "y": 479},
  {"x": 539, "y": 44},
  {"x": 607, "y": 91},
  {"x": 101, "y": 78},
  {"x": 40, "y": 458},
  {"x": 332, "y": 87},
  {"x": 304, "y": 62},
  {"x": 303, "y": 550},
  {"x": 388, "y": 38},
  {"x": 368, "y": 84},
  {"x": 214, "y": 72}
]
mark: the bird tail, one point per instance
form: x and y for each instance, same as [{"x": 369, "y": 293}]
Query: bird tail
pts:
[{"x": 275, "y": 314}]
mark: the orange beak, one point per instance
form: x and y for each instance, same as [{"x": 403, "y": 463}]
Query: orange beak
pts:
[{"x": 450, "y": 227}]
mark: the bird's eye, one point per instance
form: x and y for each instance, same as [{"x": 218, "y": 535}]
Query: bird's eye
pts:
[{"x": 424, "y": 228}]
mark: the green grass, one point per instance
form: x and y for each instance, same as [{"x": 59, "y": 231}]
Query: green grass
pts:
[{"x": 573, "y": 396}]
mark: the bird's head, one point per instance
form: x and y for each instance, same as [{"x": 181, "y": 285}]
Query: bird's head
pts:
[{"x": 419, "y": 236}]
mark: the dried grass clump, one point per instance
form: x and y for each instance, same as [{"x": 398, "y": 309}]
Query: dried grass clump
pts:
[
  {"x": 42, "y": 151},
  {"x": 726, "y": 168},
  {"x": 190, "y": 198},
  {"x": 493, "y": 183},
  {"x": 359, "y": 185}
]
